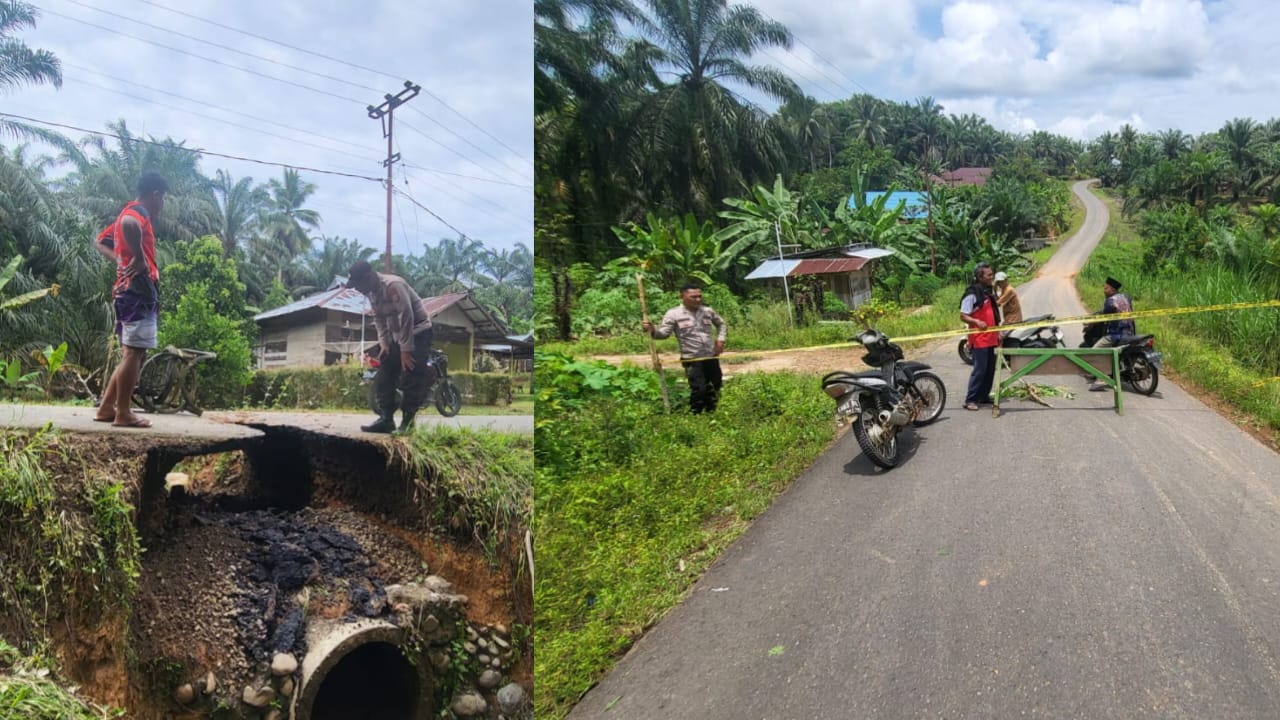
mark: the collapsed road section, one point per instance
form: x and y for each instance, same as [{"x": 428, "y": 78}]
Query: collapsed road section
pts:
[{"x": 286, "y": 574}]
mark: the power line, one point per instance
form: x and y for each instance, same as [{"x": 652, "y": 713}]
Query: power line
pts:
[
  {"x": 220, "y": 108},
  {"x": 225, "y": 122},
  {"x": 468, "y": 177},
  {"x": 171, "y": 31},
  {"x": 202, "y": 57},
  {"x": 264, "y": 75},
  {"x": 199, "y": 151},
  {"x": 415, "y": 129},
  {"x": 477, "y": 147},
  {"x": 823, "y": 58},
  {"x": 429, "y": 211},
  {"x": 826, "y": 89},
  {"x": 342, "y": 62},
  {"x": 466, "y": 202}
]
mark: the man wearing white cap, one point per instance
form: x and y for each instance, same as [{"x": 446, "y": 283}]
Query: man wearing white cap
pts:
[{"x": 1007, "y": 299}]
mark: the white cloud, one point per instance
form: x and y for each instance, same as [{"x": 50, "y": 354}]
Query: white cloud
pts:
[
  {"x": 1156, "y": 38},
  {"x": 1012, "y": 48}
]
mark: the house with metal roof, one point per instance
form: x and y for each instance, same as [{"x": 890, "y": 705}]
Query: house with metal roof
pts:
[
  {"x": 964, "y": 176},
  {"x": 333, "y": 327},
  {"x": 845, "y": 271}
]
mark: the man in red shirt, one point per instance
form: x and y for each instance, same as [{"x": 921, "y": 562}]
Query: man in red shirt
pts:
[
  {"x": 979, "y": 311},
  {"x": 136, "y": 296}
]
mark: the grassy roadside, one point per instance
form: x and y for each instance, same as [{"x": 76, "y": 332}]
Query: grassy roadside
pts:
[
  {"x": 634, "y": 504},
  {"x": 1202, "y": 366}
]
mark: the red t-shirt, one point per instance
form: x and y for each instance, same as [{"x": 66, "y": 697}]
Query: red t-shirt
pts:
[{"x": 124, "y": 254}]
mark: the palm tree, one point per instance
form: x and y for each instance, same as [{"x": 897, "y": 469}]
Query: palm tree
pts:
[
  {"x": 315, "y": 270},
  {"x": 1173, "y": 143},
  {"x": 106, "y": 175},
  {"x": 240, "y": 205},
  {"x": 588, "y": 80},
  {"x": 702, "y": 140},
  {"x": 868, "y": 121},
  {"x": 20, "y": 65},
  {"x": 459, "y": 258},
  {"x": 1237, "y": 139},
  {"x": 285, "y": 217}
]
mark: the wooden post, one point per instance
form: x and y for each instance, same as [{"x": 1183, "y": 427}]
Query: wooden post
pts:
[{"x": 653, "y": 348}]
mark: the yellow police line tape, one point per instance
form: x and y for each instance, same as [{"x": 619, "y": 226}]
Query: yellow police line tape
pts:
[{"x": 1109, "y": 317}]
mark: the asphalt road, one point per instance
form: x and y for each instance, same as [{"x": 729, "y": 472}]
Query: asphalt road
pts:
[{"x": 1058, "y": 563}]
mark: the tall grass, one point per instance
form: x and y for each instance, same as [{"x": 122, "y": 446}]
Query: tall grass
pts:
[{"x": 478, "y": 480}]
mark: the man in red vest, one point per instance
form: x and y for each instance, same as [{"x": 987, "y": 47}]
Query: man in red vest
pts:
[
  {"x": 979, "y": 311},
  {"x": 136, "y": 296}
]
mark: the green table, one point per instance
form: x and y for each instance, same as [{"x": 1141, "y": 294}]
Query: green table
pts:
[{"x": 1058, "y": 361}]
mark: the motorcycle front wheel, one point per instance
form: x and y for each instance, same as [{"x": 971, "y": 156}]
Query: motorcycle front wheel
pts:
[
  {"x": 1143, "y": 375},
  {"x": 448, "y": 398},
  {"x": 933, "y": 393},
  {"x": 963, "y": 350},
  {"x": 878, "y": 444}
]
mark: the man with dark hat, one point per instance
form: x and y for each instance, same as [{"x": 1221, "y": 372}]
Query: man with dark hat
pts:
[
  {"x": 404, "y": 345},
  {"x": 1110, "y": 331},
  {"x": 1116, "y": 302}
]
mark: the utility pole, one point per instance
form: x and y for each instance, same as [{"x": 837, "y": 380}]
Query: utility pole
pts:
[{"x": 385, "y": 112}]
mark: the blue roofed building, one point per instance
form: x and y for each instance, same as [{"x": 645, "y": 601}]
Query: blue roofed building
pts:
[{"x": 917, "y": 203}]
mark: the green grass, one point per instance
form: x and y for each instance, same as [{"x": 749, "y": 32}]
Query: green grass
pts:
[
  {"x": 479, "y": 480},
  {"x": 633, "y": 504},
  {"x": 70, "y": 548}
]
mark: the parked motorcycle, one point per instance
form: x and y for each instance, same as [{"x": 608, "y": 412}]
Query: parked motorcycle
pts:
[
  {"x": 1140, "y": 362},
  {"x": 882, "y": 402},
  {"x": 1042, "y": 337},
  {"x": 443, "y": 392}
]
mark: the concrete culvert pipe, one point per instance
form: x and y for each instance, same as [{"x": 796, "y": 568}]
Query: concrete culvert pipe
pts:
[{"x": 360, "y": 669}]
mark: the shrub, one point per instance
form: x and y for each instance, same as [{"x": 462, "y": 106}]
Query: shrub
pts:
[
  {"x": 196, "y": 324},
  {"x": 921, "y": 288}
]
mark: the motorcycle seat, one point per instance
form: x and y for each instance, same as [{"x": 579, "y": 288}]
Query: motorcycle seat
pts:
[{"x": 1133, "y": 339}]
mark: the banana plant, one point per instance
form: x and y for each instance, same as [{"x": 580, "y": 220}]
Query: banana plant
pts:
[
  {"x": 672, "y": 250},
  {"x": 52, "y": 360},
  {"x": 760, "y": 223},
  {"x": 13, "y": 378},
  {"x": 10, "y": 304}
]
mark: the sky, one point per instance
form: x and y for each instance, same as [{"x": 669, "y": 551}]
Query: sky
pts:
[
  {"x": 466, "y": 140},
  {"x": 1072, "y": 67}
]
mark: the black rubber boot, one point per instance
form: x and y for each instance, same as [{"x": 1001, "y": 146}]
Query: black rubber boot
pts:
[
  {"x": 406, "y": 422},
  {"x": 383, "y": 424}
]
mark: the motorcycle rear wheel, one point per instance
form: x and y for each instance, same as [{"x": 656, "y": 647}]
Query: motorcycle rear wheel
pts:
[
  {"x": 448, "y": 398},
  {"x": 1143, "y": 375},
  {"x": 934, "y": 393},
  {"x": 882, "y": 451},
  {"x": 963, "y": 350}
]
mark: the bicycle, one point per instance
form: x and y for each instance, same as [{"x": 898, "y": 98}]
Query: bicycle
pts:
[{"x": 167, "y": 383}]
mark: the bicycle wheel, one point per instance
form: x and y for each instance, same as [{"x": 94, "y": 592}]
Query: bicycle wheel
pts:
[
  {"x": 448, "y": 398},
  {"x": 154, "y": 381}
]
